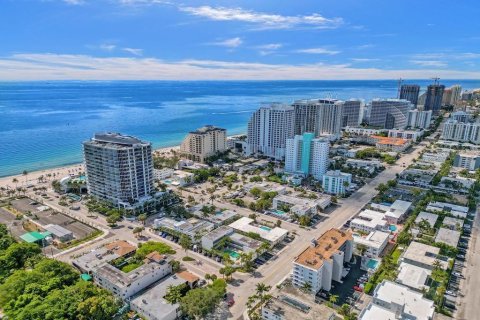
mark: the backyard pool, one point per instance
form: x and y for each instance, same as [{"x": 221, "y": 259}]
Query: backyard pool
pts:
[
  {"x": 372, "y": 264},
  {"x": 265, "y": 228},
  {"x": 233, "y": 254},
  {"x": 393, "y": 227},
  {"x": 279, "y": 212}
]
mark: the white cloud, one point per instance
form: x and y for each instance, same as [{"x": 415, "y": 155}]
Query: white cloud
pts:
[
  {"x": 30, "y": 66},
  {"x": 229, "y": 43},
  {"x": 266, "y": 49},
  {"x": 364, "y": 59},
  {"x": 429, "y": 63},
  {"x": 107, "y": 47},
  {"x": 319, "y": 51},
  {"x": 74, "y": 2},
  {"x": 262, "y": 20},
  {"x": 134, "y": 51}
]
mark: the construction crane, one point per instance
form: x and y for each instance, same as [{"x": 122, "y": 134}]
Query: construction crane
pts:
[
  {"x": 400, "y": 81},
  {"x": 435, "y": 80}
]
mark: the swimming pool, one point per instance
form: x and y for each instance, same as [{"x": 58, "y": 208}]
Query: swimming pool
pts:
[
  {"x": 231, "y": 253},
  {"x": 393, "y": 227},
  {"x": 167, "y": 181},
  {"x": 265, "y": 228},
  {"x": 372, "y": 264}
]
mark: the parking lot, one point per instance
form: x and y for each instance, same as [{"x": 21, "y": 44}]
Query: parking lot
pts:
[
  {"x": 49, "y": 216},
  {"x": 345, "y": 290}
]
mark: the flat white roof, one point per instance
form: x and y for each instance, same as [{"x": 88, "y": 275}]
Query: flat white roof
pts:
[
  {"x": 423, "y": 253},
  {"x": 58, "y": 231},
  {"x": 414, "y": 302},
  {"x": 431, "y": 218},
  {"x": 448, "y": 236},
  {"x": 374, "y": 240},
  {"x": 245, "y": 224},
  {"x": 449, "y": 206},
  {"x": 373, "y": 311},
  {"x": 370, "y": 218},
  {"x": 452, "y": 222},
  {"x": 413, "y": 276}
]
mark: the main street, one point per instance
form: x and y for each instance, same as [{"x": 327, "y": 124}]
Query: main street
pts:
[{"x": 274, "y": 272}]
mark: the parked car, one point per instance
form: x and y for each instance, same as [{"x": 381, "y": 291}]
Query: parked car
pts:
[
  {"x": 451, "y": 293},
  {"x": 357, "y": 288}
]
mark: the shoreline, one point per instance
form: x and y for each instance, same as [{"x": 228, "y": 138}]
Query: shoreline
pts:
[
  {"x": 56, "y": 172},
  {"x": 65, "y": 170}
]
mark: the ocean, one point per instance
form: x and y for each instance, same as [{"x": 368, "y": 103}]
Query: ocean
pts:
[{"x": 43, "y": 124}]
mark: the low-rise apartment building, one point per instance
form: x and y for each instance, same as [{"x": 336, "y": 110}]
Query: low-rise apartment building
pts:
[
  {"x": 336, "y": 182},
  {"x": 301, "y": 206},
  {"x": 374, "y": 243},
  {"x": 469, "y": 161},
  {"x": 322, "y": 262},
  {"x": 394, "y": 301},
  {"x": 424, "y": 256},
  {"x": 369, "y": 221},
  {"x": 193, "y": 227}
]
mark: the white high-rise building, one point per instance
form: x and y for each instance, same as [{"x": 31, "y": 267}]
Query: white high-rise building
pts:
[
  {"x": 307, "y": 155},
  {"x": 204, "y": 142},
  {"x": 462, "y": 132},
  {"x": 419, "y": 119},
  {"x": 268, "y": 130},
  {"x": 320, "y": 116},
  {"x": 119, "y": 169}
]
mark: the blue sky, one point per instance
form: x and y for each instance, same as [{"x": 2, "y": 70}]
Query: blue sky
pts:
[{"x": 155, "y": 39}]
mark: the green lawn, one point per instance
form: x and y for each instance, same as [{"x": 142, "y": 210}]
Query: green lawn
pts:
[{"x": 131, "y": 266}]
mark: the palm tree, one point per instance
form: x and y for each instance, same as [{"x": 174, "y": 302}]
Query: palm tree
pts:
[
  {"x": 174, "y": 293},
  {"x": 25, "y": 173},
  {"x": 142, "y": 218},
  {"x": 261, "y": 289},
  {"x": 333, "y": 299},
  {"x": 15, "y": 180}
]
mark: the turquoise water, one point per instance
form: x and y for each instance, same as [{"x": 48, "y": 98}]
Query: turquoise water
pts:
[
  {"x": 265, "y": 228},
  {"x": 233, "y": 254},
  {"x": 279, "y": 212},
  {"x": 393, "y": 227},
  {"x": 167, "y": 181},
  {"x": 43, "y": 123},
  {"x": 372, "y": 264}
]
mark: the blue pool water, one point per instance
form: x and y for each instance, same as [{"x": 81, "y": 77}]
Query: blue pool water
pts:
[
  {"x": 372, "y": 264},
  {"x": 265, "y": 228},
  {"x": 43, "y": 123},
  {"x": 393, "y": 227}
]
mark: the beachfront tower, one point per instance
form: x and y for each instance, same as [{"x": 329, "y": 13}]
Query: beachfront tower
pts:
[
  {"x": 433, "y": 100},
  {"x": 119, "y": 169},
  {"x": 321, "y": 116},
  {"x": 268, "y": 130},
  {"x": 203, "y": 143}
]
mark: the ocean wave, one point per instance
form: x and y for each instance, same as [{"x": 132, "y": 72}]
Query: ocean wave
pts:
[{"x": 234, "y": 112}]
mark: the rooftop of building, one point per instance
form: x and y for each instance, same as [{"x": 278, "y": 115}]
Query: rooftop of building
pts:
[
  {"x": 122, "y": 279},
  {"x": 448, "y": 236},
  {"x": 413, "y": 276},
  {"x": 206, "y": 129},
  {"x": 414, "y": 303},
  {"x": 431, "y": 218},
  {"x": 115, "y": 138},
  {"x": 373, "y": 311},
  {"x": 323, "y": 249},
  {"x": 374, "y": 239},
  {"x": 370, "y": 218},
  {"x": 318, "y": 101},
  {"x": 218, "y": 233},
  {"x": 152, "y": 301},
  {"x": 277, "y": 107},
  {"x": 271, "y": 234},
  {"x": 423, "y": 253},
  {"x": 291, "y": 303},
  {"x": 246, "y": 242},
  {"x": 452, "y": 222},
  {"x": 336, "y": 173},
  {"x": 448, "y": 206},
  {"x": 57, "y": 230}
]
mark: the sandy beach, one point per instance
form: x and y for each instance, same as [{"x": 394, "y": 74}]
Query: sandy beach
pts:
[{"x": 60, "y": 172}]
